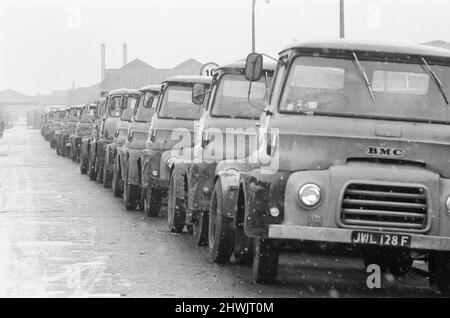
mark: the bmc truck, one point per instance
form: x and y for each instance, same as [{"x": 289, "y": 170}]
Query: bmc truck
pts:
[
  {"x": 115, "y": 101},
  {"x": 83, "y": 129},
  {"x": 89, "y": 143},
  {"x": 353, "y": 153},
  {"x": 129, "y": 103},
  {"x": 174, "y": 120},
  {"x": 55, "y": 131},
  {"x": 128, "y": 164},
  {"x": 72, "y": 118},
  {"x": 226, "y": 135}
]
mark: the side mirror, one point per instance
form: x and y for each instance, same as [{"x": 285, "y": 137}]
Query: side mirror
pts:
[
  {"x": 253, "y": 67},
  {"x": 198, "y": 94}
]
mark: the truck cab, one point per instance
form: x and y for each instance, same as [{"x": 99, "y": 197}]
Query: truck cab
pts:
[
  {"x": 128, "y": 164},
  {"x": 129, "y": 103},
  {"x": 226, "y": 134},
  {"x": 353, "y": 152},
  {"x": 55, "y": 132},
  {"x": 116, "y": 100},
  {"x": 172, "y": 123},
  {"x": 83, "y": 129},
  {"x": 89, "y": 143}
]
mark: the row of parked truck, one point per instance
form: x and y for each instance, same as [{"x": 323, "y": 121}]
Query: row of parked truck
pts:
[{"x": 333, "y": 147}]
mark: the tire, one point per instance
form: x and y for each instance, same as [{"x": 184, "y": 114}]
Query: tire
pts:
[
  {"x": 130, "y": 196},
  {"x": 99, "y": 171},
  {"x": 83, "y": 165},
  {"x": 152, "y": 202},
  {"x": 200, "y": 228},
  {"x": 117, "y": 179},
  {"x": 176, "y": 212},
  {"x": 107, "y": 180},
  {"x": 243, "y": 247},
  {"x": 91, "y": 169},
  {"x": 220, "y": 229},
  {"x": 265, "y": 262},
  {"x": 439, "y": 273}
]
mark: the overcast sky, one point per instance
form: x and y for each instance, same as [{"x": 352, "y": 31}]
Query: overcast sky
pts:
[{"x": 45, "y": 44}]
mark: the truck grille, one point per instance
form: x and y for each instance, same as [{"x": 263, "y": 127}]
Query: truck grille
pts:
[{"x": 384, "y": 206}]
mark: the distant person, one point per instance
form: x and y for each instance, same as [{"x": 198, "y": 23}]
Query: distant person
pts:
[{"x": 2, "y": 128}]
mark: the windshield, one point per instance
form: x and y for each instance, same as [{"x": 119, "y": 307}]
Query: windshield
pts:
[
  {"x": 177, "y": 104},
  {"x": 332, "y": 86},
  {"x": 60, "y": 115},
  {"x": 114, "y": 106},
  {"x": 127, "y": 113},
  {"x": 146, "y": 107},
  {"x": 231, "y": 99}
]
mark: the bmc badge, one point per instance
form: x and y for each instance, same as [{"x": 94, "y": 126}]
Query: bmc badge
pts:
[{"x": 388, "y": 152}]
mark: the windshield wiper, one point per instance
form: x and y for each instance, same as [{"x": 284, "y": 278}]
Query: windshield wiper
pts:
[
  {"x": 362, "y": 71},
  {"x": 436, "y": 79}
]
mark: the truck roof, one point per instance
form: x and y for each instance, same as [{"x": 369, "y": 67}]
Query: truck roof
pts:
[
  {"x": 381, "y": 47},
  {"x": 152, "y": 87},
  {"x": 267, "y": 65},
  {"x": 120, "y": 91},
  {"x": 188, "y": 79}
]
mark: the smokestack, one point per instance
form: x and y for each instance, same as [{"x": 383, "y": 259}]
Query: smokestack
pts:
[
  {"x": 125, "y": 48},
  {"x": 103, "y": 61}
]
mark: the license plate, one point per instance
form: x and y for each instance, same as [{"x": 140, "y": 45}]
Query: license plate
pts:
[
  {"x": 383, "y": 239},
  {"x": 68, "y": 144}
]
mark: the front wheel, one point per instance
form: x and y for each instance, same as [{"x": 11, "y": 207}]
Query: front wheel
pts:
[
  {"x": 176, "y": 212},
  {"x": 117, "y": 181},
  {"x": 265, "y": 262},
  {"x": 152, "y": 202},
  {"x": 200, "y": 228},
  {"x": 439, "y": 271},
  {"x": 130, "y": 196},
  {"x": 220, "y": 230}
]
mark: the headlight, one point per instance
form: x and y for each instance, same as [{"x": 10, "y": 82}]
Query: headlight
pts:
[
  {"x": 309, "y": 195},
  {"x": 447, "y": 204}
]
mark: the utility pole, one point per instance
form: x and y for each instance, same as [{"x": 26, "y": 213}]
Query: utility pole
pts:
[
  {"x": 341, "y": 20},
  {"x": 253, "y": 25}
]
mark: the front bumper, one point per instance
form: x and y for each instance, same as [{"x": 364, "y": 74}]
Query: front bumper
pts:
[{"x": 335, "y": 235}]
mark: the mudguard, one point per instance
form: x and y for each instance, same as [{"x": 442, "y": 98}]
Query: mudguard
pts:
[
  {"x": 122, "y": 156},
  {"x": 200, "y": 178},
  {"x": 151, "y": 160},
  {"x": 262, "y": 191},
  {"x": 164, "y": 168}
]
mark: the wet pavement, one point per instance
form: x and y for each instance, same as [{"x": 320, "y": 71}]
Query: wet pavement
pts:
[{"x": 62, "y": 235}]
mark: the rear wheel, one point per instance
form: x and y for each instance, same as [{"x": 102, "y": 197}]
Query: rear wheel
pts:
[
  {"x": 220, "y": 230},
  {"x": 439, "y": 271},
  {"x": 200, "y": 228},
  {"x": 152, "y": 202},
  {"x": 176, "y": 213},
  {"x": 130, "y": 196},
  {"x": 265, "y": 262}
]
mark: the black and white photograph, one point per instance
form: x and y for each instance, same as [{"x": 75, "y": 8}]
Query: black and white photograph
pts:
[{"x": 230, "y": 152}]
